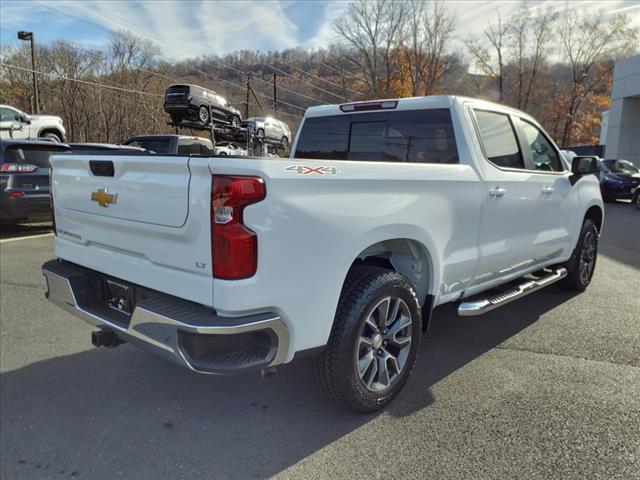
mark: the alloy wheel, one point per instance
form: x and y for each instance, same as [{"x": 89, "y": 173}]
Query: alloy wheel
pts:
[
  {"x": 383, "y": 344},
  {"x": 587, "y": 257}
]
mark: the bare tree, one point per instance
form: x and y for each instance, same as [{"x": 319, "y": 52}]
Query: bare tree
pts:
[
  {"x": 372, "y": 31},
  {"x": 489, "y": 55},
  {"x": 587, "y": 40},
  {"x": 439, "y": 26}
]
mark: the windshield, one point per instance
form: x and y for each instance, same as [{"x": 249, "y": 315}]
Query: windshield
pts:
[
  {"x": 620, "y": 166},
  {"x": 156, "y": 145},
  {"x": 37, "y": 155}
]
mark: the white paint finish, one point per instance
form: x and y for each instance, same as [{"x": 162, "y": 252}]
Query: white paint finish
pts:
[
  {"x": 149, "y": 189},
  {"x": 312, "y": 227},
  {"x": 159, "y": 257}
]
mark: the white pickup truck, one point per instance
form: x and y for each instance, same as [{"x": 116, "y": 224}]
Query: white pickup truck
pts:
[{"x": 385, "y": 210}]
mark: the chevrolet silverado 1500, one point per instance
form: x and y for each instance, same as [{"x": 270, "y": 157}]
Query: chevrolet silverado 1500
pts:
[{"x": 384, "y": 210}]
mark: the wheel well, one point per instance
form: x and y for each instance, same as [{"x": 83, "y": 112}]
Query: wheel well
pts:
[
  {"x": 405, "y": 256},
  {"x": 50, "y": 130},
  {"x": 595, "y": 214}
]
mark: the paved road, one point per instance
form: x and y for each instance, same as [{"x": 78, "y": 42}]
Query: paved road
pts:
[{"x": 545, "y": 388}]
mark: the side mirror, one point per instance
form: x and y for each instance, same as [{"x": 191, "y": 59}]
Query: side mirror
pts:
[
  {"x": 581, "y": 166},
  {"x": 24, "y": 118}
]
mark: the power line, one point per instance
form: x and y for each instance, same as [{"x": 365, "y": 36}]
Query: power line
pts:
[
  {"x": 323, "y": 79},
  {"x": 180, "y": 47},
  {"x": 302, "y": 81},
  {"x": 62, "y": 77}
]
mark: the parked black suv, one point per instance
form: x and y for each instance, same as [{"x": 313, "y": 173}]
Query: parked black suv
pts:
[
  {"x": 191, "y": 102},
  {"x": 24, "y": 179}
]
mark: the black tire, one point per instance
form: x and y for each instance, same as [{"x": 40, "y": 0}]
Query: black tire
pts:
[
  {"x": 260, "y": 133},
  {"x": 636, "y": 201},
  {"x": 284, "y": 142},
  {"x": 336, "y": 368},
  {"x": 52, "y": 136},
  {"x": 203, "y": 115},
  {"x": 577, "y": 279},
  {"x": 177, "y": 117}
]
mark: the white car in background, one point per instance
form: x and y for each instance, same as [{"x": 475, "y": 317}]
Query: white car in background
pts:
[
  {"x": 270, "y": 129},
  {"x": 17, "y": 125},
  {"x": 229, "y": 149}
]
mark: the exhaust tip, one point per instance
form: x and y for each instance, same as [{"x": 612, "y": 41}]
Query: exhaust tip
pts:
[{"x": 269, "y": 372}]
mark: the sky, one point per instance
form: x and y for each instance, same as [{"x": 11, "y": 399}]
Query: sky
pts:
[{"x": 183, "y": 29}]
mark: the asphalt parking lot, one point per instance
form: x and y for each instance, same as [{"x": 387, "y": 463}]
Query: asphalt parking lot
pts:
[{"x": 547, "y": 387}]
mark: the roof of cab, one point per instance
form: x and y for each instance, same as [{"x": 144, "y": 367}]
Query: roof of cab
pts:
[{"x": 409, "y": 103}]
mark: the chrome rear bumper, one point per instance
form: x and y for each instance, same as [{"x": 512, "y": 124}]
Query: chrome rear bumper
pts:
[{"x": 184, "y": 332}]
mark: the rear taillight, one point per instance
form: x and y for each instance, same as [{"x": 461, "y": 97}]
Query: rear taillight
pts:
[
  {"x": 16, "y": 194},
  {"x": 235, "y": 247},
  {"x": 17, "y": 168}
]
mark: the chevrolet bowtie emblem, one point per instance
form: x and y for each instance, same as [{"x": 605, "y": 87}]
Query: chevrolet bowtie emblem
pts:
[{"x": 103, "y": 197}]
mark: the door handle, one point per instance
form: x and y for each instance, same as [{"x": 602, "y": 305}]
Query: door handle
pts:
[
  {"x": 547, "y": 190},
  {"x": 497, "y": 192}
]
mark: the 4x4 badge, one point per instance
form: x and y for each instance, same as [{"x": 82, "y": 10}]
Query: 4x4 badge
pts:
[
  {"x": 308, "y": 170},
  {"x": 103, "y": 197}
]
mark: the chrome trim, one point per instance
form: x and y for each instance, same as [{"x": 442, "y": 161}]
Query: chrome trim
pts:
[
  {"x": 155, "y": 328},
  {"x": 484, "y": 305}
]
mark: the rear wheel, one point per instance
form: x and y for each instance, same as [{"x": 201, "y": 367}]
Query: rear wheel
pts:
[
  {"x": 582, "y": 264},
  {"x": 374, "y": 341},
  {"x": 203, "y": 114},
  {"x": 637, "y": 200}
]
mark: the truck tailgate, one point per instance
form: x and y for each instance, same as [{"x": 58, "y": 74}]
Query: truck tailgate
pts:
[
  {"x": 146, "y": 223},
  {"x": 143, "y": 183}
]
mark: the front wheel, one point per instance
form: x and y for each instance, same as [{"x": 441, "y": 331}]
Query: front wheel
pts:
[
  {"x": 636, "y": 201},
  {"x": 582, "y": 264},
  {"x": 374, "y": 342}
]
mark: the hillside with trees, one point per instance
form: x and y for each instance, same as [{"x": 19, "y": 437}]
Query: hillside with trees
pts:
[{"x": 556, "y": 67}]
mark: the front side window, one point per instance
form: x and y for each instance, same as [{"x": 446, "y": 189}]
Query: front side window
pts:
[
  {"x": 543, "y": 154},
  {"x": 499, "y": 139},
  {"x": 417, "y": 136},
  {"x": 621, "y": 166},
  {"x": 9, "y": 115}
]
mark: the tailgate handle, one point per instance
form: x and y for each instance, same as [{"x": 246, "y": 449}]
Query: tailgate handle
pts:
[{"x": 101, "y": 168}]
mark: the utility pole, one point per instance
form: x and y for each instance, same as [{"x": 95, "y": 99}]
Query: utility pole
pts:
[
  {"x": 275, "y": 96},
  {"x": 246, "y": 105},
  {"x": 22, "y": 35}
]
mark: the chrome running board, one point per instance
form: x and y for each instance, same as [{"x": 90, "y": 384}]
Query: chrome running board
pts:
[{"x": 484, "y": 305}]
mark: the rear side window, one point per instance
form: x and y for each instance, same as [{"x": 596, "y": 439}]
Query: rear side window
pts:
[
  {"x": 188, "y": 147},
  {"x": 421, "y": 136},
  {"x": 155, "y": 145},
  {"x": 499, "y": 139}
]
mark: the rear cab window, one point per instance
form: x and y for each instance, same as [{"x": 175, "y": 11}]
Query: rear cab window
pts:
[{"x": 417, "y": 136}]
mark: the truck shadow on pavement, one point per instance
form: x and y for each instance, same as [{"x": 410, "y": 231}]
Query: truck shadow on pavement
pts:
[{"x": 126, "y": 413}]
